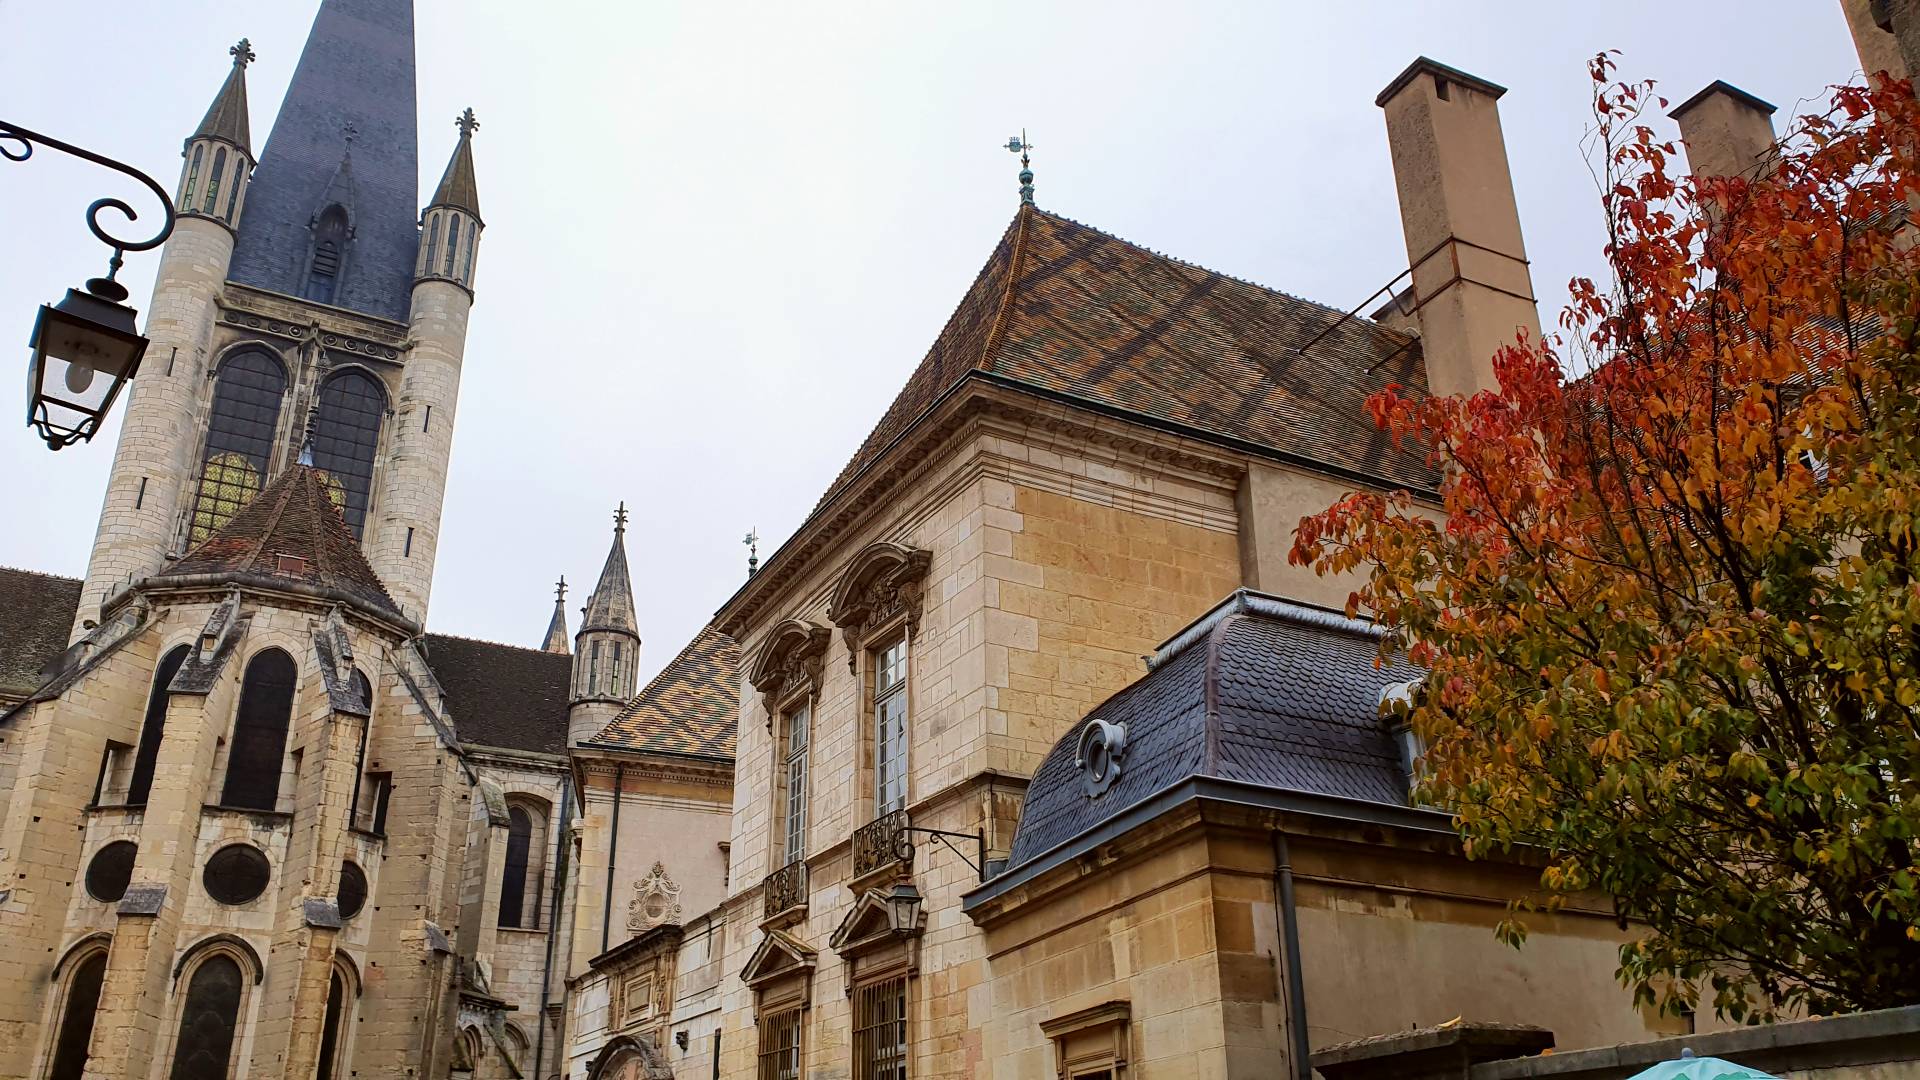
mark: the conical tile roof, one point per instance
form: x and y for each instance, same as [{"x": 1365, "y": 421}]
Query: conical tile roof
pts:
[
  {"x": 290, "y": 533},
  {"x": 457, "y": 186},
  {"x": 227, "y": 117},
  {"x": 611, "y": 605}
]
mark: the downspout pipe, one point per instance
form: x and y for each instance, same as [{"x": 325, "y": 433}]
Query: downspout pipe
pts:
[
  {"x": 613, "y": 853},
  {"x": 553, "y": 925},
  {"x": 1290, "y": 941}
]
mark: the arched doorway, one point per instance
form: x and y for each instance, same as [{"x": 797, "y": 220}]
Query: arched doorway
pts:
[{"x": 629, "y": 1058}]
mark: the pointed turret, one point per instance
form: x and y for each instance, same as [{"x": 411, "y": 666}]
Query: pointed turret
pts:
[
  {"x": 450, "y": 226},
  {"x": 354, "y": 86},
  {"x": 219, "y": 154},
  {"x": 607, "y": 648},
  {"x": 556, "y": 641}
]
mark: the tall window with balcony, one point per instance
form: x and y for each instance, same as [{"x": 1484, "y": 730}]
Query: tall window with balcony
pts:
[
  {"x": 890, "y": 727},
  {"x": 794, "y": 781}
]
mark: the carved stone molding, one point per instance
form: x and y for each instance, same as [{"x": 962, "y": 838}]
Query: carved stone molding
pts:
[
  {"x": 656, "y": 900},
  {"x": 790, "y": 660},
  {"x": 883, "y": 584}
]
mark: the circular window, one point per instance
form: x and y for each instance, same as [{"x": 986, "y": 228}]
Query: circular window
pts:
[
  {"x": 353, "y": 890},
  {"x": 237, "y": 874},
  {"x": 111, "y": 870},
  {"x": 1103, "y": 747}
]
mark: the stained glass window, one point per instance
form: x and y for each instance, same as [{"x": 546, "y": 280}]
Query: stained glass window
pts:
[
  {"x": 233, "y": 189},
  {"x": 213, "y": 180},
  {"x": 513, "y": 885},
  {"x": 76, "y": 1024},
  {"x": 345, "y": 439},
  {"x": 453, "y": 244},
  {"x": 260, "y": 733},
  {"x": 207, "y": 1021},
  {"x": 150, "y": 732},
  {"x": 246, "y": 412},
  {"x": 193, "y": 178}
]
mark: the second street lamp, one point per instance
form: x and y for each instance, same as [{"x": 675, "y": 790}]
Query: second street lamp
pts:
[{"x": 87, "y": 346}]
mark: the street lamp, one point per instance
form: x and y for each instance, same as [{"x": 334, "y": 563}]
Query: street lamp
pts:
[
  {"x": 903, "y": 908},
  {"x": 86, "y": 347}
]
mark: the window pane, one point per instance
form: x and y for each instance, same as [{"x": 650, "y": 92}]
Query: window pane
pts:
[
  {"x": 260, "y": 733},
  {"x": 798, "y": 723},
  {"x": 154, "y": 727},
  {"x": 880, "y": 1031},
  {"x": 330, "y": 1029},
  {"x": 76, "y": 1025},
  {"x": 207, "y": 1021},
  {"x": 513, "y": 886},
  {"x": 780, "y": 1049},
  {"x": 345, "y": 437},
  {"x": 246, "y": 412},
  {"x": 890, "y": 754}
]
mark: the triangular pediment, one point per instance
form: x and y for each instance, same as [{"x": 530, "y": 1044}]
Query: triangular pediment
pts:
[
  {"x": 779, "y": 953},
  {"x": 868, "y": 921}
]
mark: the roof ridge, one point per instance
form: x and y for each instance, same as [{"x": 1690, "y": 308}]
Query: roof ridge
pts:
[
  {"x": 259, "y": 546},
  {"x": 486, "y": 641},
  {"x": 1015, "y": 257},
  {"x": 1210, "y": 693},
  {"x": 42, "y": 573},
  {"x": 315, "y": 523}
]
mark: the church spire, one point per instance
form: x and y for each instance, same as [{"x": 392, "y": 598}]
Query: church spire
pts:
[
  {"x": 606, "y": 651},
  {"x": 457, "y": 188},
  {"x": 611, "y": 605},
  {"x": 556, "y": 641},
  {"x": 218, "y": 156},
  {"x": 226, "y": 118},
  {"x": 450, "y": 225},
  {"x": 357, "y": 70}
]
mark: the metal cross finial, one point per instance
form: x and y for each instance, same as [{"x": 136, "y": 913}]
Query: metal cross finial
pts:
[
  {"x": 620, "y": 518},
  {"x": 466, "y": 123},
  {"x": 1019, "y": 144},
  {"x": 752, "y": 540},
  {"x": 349, "y": 130},
  {"x": 242, "y": 52},
  {"x": 560, "y": 591}
]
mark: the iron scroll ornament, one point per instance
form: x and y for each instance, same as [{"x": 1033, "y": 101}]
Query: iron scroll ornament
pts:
[{"x": 18, "y": 143}]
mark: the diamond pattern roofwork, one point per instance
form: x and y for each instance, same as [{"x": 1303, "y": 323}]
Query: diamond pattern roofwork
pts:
[
  {"x": 36, "y": 611},
  {"x": 1262, "y": 691},
  {"x": 355, "y": 79},
  {"x": 691, "y": 707},
  {"x": 1070, "y": 309},
  {"x": 291, "y": 531}
]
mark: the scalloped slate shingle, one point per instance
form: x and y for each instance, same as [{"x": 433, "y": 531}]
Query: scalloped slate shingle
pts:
[
  {"x": 691, "y": 707},
  {"x": 1264, "y": 697}
]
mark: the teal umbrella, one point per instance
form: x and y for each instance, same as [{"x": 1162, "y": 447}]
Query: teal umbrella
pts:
[{"x": 1688, "y": 1067}]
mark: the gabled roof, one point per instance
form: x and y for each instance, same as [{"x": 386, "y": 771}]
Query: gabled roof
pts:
[
  {"x": 290, "y": 532},
  {"x": 1261, "y": 691},
  {"x": 1069, "y": 309},
  {"x": 36, "y": 613},
  {"x": 503, "y": 695},
  {"x": 691, "y": 707}
]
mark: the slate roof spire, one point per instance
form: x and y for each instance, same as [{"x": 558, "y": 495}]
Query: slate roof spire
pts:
[
  {"x": 611, "y": 605},
  {"x": 457, "y": 188},
  {"x": 556, "y": 641},
  {"x": 226, "y": 118},
  {"x": 357, "y": 69}
]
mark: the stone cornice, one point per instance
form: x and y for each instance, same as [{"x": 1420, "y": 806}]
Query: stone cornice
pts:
[
  {"x": 341, "y": 333},
  {"x": 701, "y": 772}
]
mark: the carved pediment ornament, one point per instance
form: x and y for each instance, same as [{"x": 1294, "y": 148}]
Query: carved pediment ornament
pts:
[
  {"x": 656, "y": 900},
  {"x": 884, "y": 583},
  {"x": 792, "y": 658}
]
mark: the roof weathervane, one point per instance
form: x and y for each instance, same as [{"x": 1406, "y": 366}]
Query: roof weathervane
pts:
[
  {"x": 1019, "y": 144},
  {"x": 466, "y": 123},
  {"x": 242, "y": 52},
  {"x": 752, "y": 540},
  {"x": 620, "y": 518}
]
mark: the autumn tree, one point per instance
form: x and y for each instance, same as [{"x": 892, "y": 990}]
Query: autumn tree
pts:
[{"x": 1670, "y": 614}]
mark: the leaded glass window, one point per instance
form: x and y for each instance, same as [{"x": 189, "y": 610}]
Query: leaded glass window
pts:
[
  {"x": 473, "y": 243},
  {"x": 246, "y": 413},
  {"x": 233, "y": 189},
  {"x": 433, "y": 245},
  {"x": 513, "y": 884},
  {"x": 154, "y": 727},
  {"x": 76, "y": 1021},
  {"x": 613, "y": 679},
  {"x": 345, "y": 438},
  {"x": 880, "y": 1030},
  {"x": 780, "y": 1045},
  {"x": 213, "y": 180},
  {"x": 593, "y": 671},
  {"x": 208, "y": 1020},
  {"x": 798, "y": 723},
  {"x": 193, "y": 177},
  {"x": 453, "y": 243},
  {"x": 260, "y": 733},
  {"x": 890, "y": 728}
]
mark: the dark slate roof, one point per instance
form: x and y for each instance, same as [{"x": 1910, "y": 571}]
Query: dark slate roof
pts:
[
  {"x": 36, "y": 613},
  {"x": 1068, "y": 308},
  {"x": 294, "y": 515},
  {"x": 458, "y": 188},
  {"x": 1261, "y": 691},
  {"x": 691, "y": 707},
  {"x": 227, "y": 117},
  {"x": 503, "y": 695},
  {"x": 357, "y": 68}
]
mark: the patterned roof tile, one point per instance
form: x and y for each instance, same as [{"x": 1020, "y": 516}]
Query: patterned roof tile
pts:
[{"x": 691, "y": 707}]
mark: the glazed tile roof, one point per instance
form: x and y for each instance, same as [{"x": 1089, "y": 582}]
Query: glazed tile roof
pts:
[
  {"x": 1067, "y": 308},
  {"x": 1261, "y": 691},
  {"x": 503, "y": 695},
  {"x": 292, "y": 516},
  {"x": 36, "y": 612},
  {"x": 691, "y": 707}
]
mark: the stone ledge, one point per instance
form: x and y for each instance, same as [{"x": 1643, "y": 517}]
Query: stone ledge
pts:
[
  {"x": 1449, "y": 1050},
  {"x": 1828, "y": 1042}
]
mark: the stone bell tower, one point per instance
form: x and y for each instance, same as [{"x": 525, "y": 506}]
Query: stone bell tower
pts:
[{"x": 606, "y": 651}]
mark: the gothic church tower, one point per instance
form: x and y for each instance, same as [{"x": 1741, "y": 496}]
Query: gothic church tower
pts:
[
  {"x": 303, "y": 291},
  {"x": 606, "y": 651}
]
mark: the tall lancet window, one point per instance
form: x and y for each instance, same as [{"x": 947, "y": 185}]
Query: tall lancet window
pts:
[
  {"x": 246, "y": 412},
  {"x": 329, "y": 251},
  {"x": 233, "y": 189},
  {"x": 345, "y": 438},
  {"x": 213, "y": 180},
  {"x": 453, "y": 244},
  {"x": 259, "y": 748},
  {"x": 208, "y": 1020},
  {"x": 150, "y": 733},
  {"x": 193, "y": 178}
]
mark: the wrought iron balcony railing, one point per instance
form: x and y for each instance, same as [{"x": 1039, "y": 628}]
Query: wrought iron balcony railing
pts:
[
  {"x": 784, "y": 888},
  {"x": 884, "y": 840}
]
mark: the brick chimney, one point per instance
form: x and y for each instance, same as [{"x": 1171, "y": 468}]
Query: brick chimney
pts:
[
  {"x": 1886, "y": 34},
  {"x": 1728, "y": 131},
  {"x": 1471, "y": 291}
]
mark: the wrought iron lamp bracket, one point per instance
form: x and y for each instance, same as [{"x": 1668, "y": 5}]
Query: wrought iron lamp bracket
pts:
[
  {"x": 979, "y": 839},
  {"x": 18, "y": 143}
]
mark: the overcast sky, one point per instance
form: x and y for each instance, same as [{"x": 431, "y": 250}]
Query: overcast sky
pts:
[{"x": 720, "y": 235}]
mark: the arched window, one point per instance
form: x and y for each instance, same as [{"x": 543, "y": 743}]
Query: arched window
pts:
[
  {"x": 513, "y": 885},
  {"x": 433, "y": 245},
  {"x": 260, "y": 733},
  {"x": 246, "y": 413},
  {"x": 213, "y": 179},
  {"x": 329, "y": 251},
  {"x": 153, "y": 728},
  {"x": 208, "y": 1020},
  {"x": 453, "y": 243},
  {"x": 193, "y": 178},
  {"x": 335, "y": 1029},
  {"x": 81, "y": 1001},
  {"x": 473, "y": 245},
  {"x": 233, "y": 189},
  {"x": 345, "y": 437}
]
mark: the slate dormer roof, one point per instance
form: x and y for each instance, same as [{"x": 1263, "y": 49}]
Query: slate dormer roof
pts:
[
  {"x": 1261, "y": 692},
  {"x": 1070, "y": 310},
  {"x": 291, "y": 533},
  {"x": 356, "y": 71},
  {"x": 691, "y": 707}
]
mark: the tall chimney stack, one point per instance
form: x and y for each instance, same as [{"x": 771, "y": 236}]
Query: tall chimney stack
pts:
[
  {"x": 1886, "y": 34},
  {"x": 1471, "y": 290},
  {"x": 1728, "y": 131}
]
